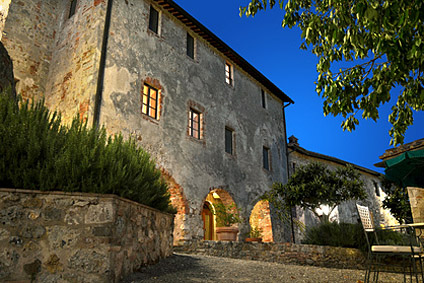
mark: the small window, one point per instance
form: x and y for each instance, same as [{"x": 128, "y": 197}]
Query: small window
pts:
[
  {"x": 194, "y": 124},
  {"x": 228, "y": 73},
  {"x": 294, "y": 167},
  {"x": 229, "y": 141},
  {"x": 190, "y": 46},
  {"x": 72, "y": 8},
  {"x": 265, "y": 153},
  {"x": 150, "y": 102},
  {"x": 263, "y": 98},
  {"x": 154, "y": 20},
  {"x": 377, "y": 189}
]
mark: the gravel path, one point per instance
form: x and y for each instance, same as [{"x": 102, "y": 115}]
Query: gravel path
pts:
[{"x": 183, "y": 268}]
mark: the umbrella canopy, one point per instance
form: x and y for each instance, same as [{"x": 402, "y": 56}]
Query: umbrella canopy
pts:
[{"x": 406, "y": 168}]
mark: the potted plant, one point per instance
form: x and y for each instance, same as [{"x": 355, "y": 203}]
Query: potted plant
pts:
[
  {"x": 255, "y": 235},
  {"x": 226, "y": 216}
]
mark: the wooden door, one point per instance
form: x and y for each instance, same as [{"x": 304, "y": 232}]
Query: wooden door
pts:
[{"x": 207, "y": 217}]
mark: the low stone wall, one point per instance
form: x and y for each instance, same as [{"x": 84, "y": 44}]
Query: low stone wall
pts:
[
  {"x": 286, "y": 253},
  {"x": 77, "y": 237}
]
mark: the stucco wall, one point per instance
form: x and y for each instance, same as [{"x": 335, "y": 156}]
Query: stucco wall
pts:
[
  {"x": 63, "y": 237},
  {"x": 345, "y": 212},
  {"x": 137, "y": 55},
  {"x": 4, "y": 10}
]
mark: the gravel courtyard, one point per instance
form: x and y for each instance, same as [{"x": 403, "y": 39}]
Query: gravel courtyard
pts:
[{"x": 199, "y": 268}]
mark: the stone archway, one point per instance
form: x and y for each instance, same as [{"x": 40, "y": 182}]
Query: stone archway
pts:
[
  {"x": 214, "y": 197},
  {"x": 179, "y": 202},
  {"x": 261, "y": 218}
]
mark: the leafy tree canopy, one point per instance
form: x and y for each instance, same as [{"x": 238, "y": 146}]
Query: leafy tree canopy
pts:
[
  {"x": 314, "y": 185},
  {"x": 397, "y": 201},
  {"x": 381, "y": 41}
]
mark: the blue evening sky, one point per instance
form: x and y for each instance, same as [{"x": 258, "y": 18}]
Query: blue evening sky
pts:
[{"x": 275, "y": 52}]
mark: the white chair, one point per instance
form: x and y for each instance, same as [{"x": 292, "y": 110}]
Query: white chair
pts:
[{"x": 409, "y": 254}]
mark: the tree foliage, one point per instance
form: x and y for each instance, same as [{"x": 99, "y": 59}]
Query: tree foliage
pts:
[
  {"x": 397, "y": 201},
  {"x": 380, "y": 41},
  {"x": 226, "y": 215},
  {"x": 314, "y": 185},
  {"x": 38, "y": 153}
]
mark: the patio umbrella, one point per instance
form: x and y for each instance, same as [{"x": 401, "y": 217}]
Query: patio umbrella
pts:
[{"x": 407, "y": 168}]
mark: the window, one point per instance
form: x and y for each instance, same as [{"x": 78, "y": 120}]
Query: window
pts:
[
  {"x": 377, "y": 189},
  {"x": 194, "y": 124},
  {"x": 154, "y": 20},
  {"x": 150, "y": 102},
  {"x": 263, "y": 98},
  {"x": 229, "y": 140},
  {"x": 190, "y": 46},
  {"x": 265, "y": 153},
  {"x": 72, "y": 8},
  {"x": 228, "y": 74}
]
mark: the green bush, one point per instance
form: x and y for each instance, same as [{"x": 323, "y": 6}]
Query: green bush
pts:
[
  {"x": 38, "y": 153},
  {"x": 350, "y": 236}
]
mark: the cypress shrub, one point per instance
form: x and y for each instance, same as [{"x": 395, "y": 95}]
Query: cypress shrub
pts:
[{"x": 38, "y": 153}]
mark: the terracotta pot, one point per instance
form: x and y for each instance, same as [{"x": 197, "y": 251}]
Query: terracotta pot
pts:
[
  {"x": 259, "y": 240},
  {"x": 226, "y": 233}
]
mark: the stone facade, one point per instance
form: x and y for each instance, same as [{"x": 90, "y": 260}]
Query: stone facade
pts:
[
  {"x": 346, "y": 212},
  {"x": 76, "y": 237},
  {"x": 416, "y": 201},
  {"x": 324, "y": 256},
  {"x": 60, "y": 58}
]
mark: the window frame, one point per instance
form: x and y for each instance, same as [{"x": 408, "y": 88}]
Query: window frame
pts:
[
  {"x": 154, "y": 22},
  {"x": 72, "y": 8},
  {"x": 231, "y": 142},
  {"x": 190, "y": 45},
  {"x": 191, "y": 122},
  {"x": 263, "y": 99},
  {"x": 266, "y": 158},
  {"x": 147, "y": 105},
  {"x": 229, "y": 74}
]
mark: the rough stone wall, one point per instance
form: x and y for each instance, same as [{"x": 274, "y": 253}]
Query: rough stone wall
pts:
[
  {"x": 137, "y": 55},
  {"x": 346, "y": 212},
  {"x": 28, "y": 35},
  {"x": 63, "y": 237},
  {"x": 325, "y": 256},
  {"x": 54, "y": 56},
  {"x": 261, "y": 218},
  {"x": 72, "y": 80}
]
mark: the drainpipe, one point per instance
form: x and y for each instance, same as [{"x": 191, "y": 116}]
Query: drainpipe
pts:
[
  {"x": 102, "y": 66},
  {"x": 287, "y": 160}
]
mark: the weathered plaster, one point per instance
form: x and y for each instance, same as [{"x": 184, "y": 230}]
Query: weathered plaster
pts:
[{"x": 136, "y": 54}]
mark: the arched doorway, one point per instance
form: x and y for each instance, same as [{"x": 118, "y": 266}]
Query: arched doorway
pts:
[
  {"x": 208, "y": 221},
  {"x": 214, "y": 197},
  {"x": 261, "y": 218}
]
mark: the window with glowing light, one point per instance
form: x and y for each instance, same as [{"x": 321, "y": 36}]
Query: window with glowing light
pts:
[
  {"x": 194, "y": 124},
  {"x": 229, "y": 73},
  {"x": 150, "y": 102}
]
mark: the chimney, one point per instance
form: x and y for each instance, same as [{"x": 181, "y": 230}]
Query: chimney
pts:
[{"x": 293, "y": 141}]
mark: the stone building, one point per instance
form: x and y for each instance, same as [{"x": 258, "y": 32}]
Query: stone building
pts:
[
  {"x": 346, "y": 212},
  {"x": 214, "y": 124}
]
